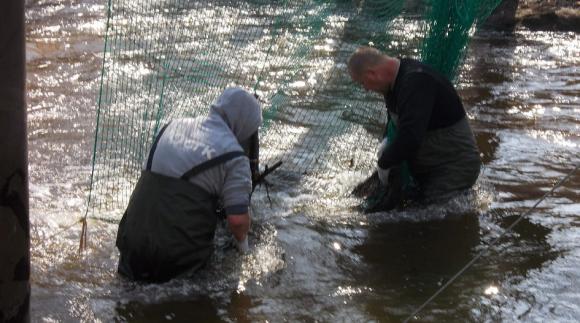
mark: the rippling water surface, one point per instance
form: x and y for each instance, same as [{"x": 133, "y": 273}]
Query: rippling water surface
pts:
[{"x": 313, "y": 257}]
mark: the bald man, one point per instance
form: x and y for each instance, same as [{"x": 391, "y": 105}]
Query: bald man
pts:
[{"x": 432, "y": 131}]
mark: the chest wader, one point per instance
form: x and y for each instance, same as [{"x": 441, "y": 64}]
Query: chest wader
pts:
[
  {"x": 169, "y": 225},
  {"x": 447, "y": 161}
]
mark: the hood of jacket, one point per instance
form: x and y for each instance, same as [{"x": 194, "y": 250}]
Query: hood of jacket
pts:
[{"x": 239, "y": 110}]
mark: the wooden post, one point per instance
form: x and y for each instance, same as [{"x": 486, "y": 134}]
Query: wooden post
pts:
[{"x": 14, "y": 220}]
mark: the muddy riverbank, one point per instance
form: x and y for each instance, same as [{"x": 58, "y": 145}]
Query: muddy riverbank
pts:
[{"x": 545, "y": 15}]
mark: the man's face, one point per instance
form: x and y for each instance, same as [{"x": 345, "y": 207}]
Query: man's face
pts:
[{"x": 369, "y": 80}]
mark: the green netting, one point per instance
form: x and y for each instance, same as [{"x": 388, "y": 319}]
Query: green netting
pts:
[{"x": 167, "y": 59}]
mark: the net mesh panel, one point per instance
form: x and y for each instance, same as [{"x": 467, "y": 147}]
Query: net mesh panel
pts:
[{"x": 166, "y": 59}]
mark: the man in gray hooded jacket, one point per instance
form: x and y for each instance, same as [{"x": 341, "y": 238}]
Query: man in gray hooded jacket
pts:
[{"x": 195, "y": 166}]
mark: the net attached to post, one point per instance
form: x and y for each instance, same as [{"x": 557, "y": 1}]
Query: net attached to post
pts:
[{"x": 167, "y": 59}]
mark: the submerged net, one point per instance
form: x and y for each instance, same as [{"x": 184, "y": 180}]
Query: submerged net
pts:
[{"x": 167, "y": 59}]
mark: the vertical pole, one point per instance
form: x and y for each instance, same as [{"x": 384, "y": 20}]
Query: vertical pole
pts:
[{"x": 14, "y": 221}]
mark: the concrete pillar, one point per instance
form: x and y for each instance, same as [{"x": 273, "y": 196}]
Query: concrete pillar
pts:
[{"x": 14, "y": 221}]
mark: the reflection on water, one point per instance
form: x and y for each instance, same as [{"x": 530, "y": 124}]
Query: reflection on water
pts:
[{"x": 313, "y": 257}]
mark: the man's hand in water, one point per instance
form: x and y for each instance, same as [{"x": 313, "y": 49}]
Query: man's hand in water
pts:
[
  {"x": 242, "y": 246},
  {"x": 239, "y": 225}
]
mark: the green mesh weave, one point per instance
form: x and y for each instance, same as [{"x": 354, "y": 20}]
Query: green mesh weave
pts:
[{"x": 166, "y": 59}]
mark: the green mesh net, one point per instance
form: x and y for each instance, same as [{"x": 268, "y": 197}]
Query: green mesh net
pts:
[{"x": 167, "y": 59}]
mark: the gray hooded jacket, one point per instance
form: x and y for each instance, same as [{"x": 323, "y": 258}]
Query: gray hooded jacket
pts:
[
  {"x": 188, "y": 142},
  {"x": 168, "y": 227}
]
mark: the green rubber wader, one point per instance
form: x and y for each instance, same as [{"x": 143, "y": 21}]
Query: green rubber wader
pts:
[
  {"x": 167, "y": 229},
  {"x": 447, "y": 161}
]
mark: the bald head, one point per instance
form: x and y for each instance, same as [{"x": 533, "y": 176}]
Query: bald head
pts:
[
  {"x": 364, "y": 58},
  {"x": 372, "y": 69}
]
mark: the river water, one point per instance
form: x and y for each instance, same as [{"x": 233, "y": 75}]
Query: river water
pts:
[{"x": 313, "y": 257}]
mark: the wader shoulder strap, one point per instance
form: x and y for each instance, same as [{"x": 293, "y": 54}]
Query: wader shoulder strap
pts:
[
  {"x": 211, "y": 163},
  {"x": 150, "y": 159}
]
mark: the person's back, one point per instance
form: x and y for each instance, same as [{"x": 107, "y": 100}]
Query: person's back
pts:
[
  {"x": 189, "y": 142},
  {"x": 167, "y": 230},
  {"x": 439, "y": 103}
]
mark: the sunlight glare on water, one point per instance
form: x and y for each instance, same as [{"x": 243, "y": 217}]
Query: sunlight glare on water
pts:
[{"x": 314, "y": 256}]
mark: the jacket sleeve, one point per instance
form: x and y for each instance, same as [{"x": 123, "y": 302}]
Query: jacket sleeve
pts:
[
  {"x": 415, "y": 102},
  {"x": 237, "y": 186}
]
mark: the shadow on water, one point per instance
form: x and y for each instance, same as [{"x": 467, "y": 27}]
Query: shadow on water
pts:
[
  {"x": 202, "y": 309},
  {"x": 526, "y": 248},
  {"x": 199, "y": 308},
  {"x": 406, "y": 261}
]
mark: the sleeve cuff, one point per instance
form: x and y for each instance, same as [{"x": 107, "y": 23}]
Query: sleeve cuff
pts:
[{"x": 236, "y": 209}]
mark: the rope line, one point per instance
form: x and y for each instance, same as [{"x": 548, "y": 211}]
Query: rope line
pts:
[
  {"x": 482, "y": 253},
  {"x": 83, "y": 236}
]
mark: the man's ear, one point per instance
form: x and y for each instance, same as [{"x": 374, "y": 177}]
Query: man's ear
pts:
[{"x": 371, "y": 73}]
